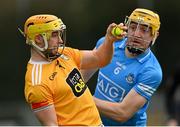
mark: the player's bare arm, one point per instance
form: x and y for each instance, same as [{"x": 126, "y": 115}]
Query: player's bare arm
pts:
[
  {"x": 102, "y": 55},
  {"x": 47, "y": 116},
  {"x": 124, "y": 110}
]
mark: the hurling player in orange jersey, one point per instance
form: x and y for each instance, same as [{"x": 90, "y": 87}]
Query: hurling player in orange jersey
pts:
[{"x": 54, "y": 87}]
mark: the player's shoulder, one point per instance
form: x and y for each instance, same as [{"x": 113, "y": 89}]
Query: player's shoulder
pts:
[
  {"x": 150, "y": 64},
  {"x": 152, "y": 69},
  {"x": 153, "y": 62},
  {"x": 68, "y": 51},
  {"x": 38, "y": 73},
  {"x": 148, "y": 59}
]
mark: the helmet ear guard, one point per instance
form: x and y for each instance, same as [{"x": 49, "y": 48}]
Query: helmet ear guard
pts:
[{"x": 33, "y": 43}]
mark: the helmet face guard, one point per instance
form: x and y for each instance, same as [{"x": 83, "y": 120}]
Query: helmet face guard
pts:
[
  {"x": 45, "y": 25},
  {"x": 48, "y": 52},
  {"x": 145, "y": 21}
]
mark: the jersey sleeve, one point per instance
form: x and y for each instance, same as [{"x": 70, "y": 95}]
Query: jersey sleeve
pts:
[
  {"x": 149, "y": 81},
  {"x": 38, "y": 96},
  {"x": 75, "y": 54}
]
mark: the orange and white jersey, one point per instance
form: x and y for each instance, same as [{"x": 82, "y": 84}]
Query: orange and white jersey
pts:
[{"x": 60, "y": 84}]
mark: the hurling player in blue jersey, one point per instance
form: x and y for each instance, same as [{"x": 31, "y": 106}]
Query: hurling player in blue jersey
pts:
[{"x": 125, "y": 86}]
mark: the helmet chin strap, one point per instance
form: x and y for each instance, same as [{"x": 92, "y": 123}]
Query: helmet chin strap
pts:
[
  {"x": 135, "y": 50},
  {"x": 50, "y": 56},
  {"x": 46, "y": 52}
]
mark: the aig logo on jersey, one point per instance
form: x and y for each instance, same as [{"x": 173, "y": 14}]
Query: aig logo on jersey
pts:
[
  {"x": 76, "y": 83},
  {"x": 130, "y": 78}
]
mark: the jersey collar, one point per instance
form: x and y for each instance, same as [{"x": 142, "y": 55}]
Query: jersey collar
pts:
[{"x": 38, "y": 62}]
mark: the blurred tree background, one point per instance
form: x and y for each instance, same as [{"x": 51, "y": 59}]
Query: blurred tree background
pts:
[{"x": 86, "y": 22}]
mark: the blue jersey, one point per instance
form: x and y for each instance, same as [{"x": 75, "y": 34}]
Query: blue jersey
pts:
[{"x": 143, "y": 74}]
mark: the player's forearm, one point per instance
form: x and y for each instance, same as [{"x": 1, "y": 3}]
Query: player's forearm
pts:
[
  {"x": 47, "y": 117},
  {"x": 105, "y": 52},
  {"x": 46, "y": 121},
  {"x": 112, "y": 110},
  {"x": 88, "y": 73}
]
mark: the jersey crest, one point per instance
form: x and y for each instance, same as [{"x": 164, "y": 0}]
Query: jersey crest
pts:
[
  {"x": 130, "y": 78},
  {"x": 53, "y": 76}
]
